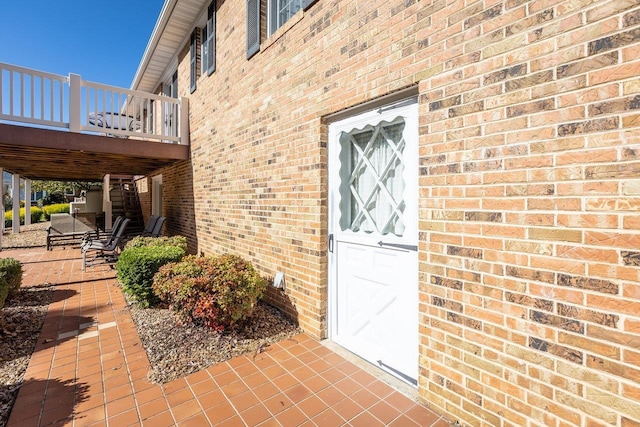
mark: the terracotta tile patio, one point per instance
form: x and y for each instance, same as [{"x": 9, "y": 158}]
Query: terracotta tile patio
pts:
[{"x": 89, "y": 368}]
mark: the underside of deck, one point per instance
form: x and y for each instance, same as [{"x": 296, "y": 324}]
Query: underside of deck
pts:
[{"x": 45, "y": 154}]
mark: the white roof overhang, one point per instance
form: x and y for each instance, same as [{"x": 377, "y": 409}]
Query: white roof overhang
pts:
[{"x": 172, "y": 29}]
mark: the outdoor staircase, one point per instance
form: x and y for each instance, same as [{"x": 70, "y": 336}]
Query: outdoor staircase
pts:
[{"x": 125, "y": 202}]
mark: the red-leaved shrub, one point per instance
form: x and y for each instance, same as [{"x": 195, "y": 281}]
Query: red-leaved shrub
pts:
[{"x": 217, "y": 291}]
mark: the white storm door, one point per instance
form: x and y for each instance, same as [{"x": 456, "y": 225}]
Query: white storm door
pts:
[{"x": 373, "y": 258}]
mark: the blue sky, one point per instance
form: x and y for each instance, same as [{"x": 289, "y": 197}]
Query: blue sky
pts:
[{"x": 101, "y": 41}]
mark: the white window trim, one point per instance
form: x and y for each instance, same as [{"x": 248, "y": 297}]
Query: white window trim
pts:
[{"x": 273, "y": 7}]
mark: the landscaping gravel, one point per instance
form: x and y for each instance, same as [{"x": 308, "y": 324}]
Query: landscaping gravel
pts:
[
  {"x": 176, "y": 348},
  {"x": 30, "y": 236},
  {"x": 20, "y": 323}
]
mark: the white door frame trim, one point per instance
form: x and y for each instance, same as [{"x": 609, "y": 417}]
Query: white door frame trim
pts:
[{"x": 408, "y": 109}]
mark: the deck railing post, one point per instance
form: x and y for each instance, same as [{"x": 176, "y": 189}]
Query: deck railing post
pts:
[
  {"x": 184, "y": 121},
  {"x": 75, "y": 122}
]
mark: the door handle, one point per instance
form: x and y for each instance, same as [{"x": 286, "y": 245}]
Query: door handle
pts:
[
  {"x": 331, "y": 242},
  {"x": 399, "y": 246}
]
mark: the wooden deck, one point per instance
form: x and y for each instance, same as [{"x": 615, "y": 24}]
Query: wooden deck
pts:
[{"x": 45, "y": 154}]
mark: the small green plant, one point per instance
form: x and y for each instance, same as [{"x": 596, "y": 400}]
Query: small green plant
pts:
[
  {"x": 139, "y": 241},
  {"x": 12, "y": 269},
  {"x": 136, "y": 266},
  {"x": 35, "y": 213},
  {"x": 215, "y": 291},
  {"x": 10, "y": 278},
  {"x": 4, "y": 290},
  {"x": 48, "y": 210}
]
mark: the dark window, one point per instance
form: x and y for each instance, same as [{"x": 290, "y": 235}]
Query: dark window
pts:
[
  {"x": 171, "y": 125},
  {"x": 277, "y": 13},
  {"x": 209, "y": 41},
  {"x": 280, "y": 11},
  {"x": 171, "y": 86}
]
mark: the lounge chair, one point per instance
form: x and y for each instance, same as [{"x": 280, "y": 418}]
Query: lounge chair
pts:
[
  {"x": 115, "y": 121},
  {"x": 157, "y": 229},
  {"x": 91, "y": 237},
  {"x": 107, "y": 250},
  {"x": 150, "y": 225}
]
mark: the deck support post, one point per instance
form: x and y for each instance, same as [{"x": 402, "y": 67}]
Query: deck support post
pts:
[
  {"x": 15, "y": 194},
  {"x": 1, "y": 207},
  {"x": 106, "y": 202},
  {"x": 27, "y": 202}
]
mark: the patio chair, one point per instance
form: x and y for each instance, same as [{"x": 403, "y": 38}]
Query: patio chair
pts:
[
  {"x": 107, "y": 251},
  {"x": 115, "y": 121},
  {"x": 150, "y": 225},
  {"x": 157, "y": 229},
  {"x": 95, "y": 237}
]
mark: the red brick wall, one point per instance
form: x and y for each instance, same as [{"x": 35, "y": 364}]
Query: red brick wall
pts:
[
  {"x": 529, "y": 175},
  {"x": 178, "y": 202},
  {"x": 529, "y": 183}
]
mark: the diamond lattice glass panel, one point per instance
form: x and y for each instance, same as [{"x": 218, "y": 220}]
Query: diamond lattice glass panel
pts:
[{"x": 372, "y": 183}]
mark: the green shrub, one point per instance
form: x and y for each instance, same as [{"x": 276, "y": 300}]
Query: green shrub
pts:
[
  {"x": 54, "y": 209},
  {"x": 215, "y": 291},
  {"x": 35, "y": 213},
  {"x": 4, "y": 290},
  {"x": 139, "y": 242},
  {"x": 57, "y": 197},
  {"x": 8, "y": 218},
  {"x": 136, "y": 266},
  {"x": 11, "y": 269}
]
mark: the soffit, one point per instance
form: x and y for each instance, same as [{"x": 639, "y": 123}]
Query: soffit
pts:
[{"x": 172, "y": 29}]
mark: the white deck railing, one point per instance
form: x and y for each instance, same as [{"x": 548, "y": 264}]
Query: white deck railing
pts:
[{"x": 53, "y": 101}]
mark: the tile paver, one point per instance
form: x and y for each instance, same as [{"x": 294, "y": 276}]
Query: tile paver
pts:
[{"x": 89, "y": 369}]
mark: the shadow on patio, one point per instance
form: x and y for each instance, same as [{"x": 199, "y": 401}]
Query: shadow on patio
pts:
[{"x": 94, "y": 371}]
